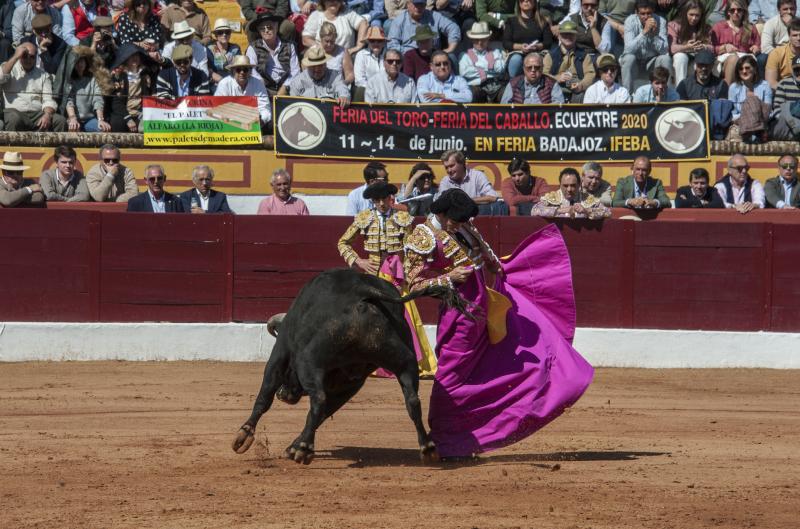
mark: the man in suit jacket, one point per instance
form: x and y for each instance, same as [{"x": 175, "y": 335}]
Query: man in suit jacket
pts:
[
  {"x": 203, "y": 199},
  {"x": 182, "y": 79},
  {"x": 698, "y": 194},
  {"x": 155, "y": 199},
  {"x": 782, "y": 191},
  {"x": 638, "y": 190}
]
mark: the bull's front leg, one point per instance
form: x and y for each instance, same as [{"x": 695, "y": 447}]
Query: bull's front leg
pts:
[
  {"x": 409, "y": 381},
  {"x": 302, "y": 449},
  {"x": 269, "y": 385}
]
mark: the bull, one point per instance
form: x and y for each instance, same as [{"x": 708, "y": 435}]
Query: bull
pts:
[
  {"x": 342, "y": 326},
  {"x": 683, "y": 132}
]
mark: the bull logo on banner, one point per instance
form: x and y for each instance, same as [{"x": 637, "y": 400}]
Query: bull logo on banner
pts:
[
  {"x": 680, "y": 130},
  {"x": 302, "y": 126}
]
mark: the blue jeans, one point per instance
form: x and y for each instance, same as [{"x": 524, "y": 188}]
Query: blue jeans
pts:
[
  {"x": 91, "y": 125},
  {"x": 515, "y": 64}
]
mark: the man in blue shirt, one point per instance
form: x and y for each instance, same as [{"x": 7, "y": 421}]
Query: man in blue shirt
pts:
[
  {"x": 404, "y": 27},
  {"x": 440, "y": 84}
]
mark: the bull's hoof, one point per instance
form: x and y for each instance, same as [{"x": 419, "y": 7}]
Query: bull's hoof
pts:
[
  {"x": 244, "y": 439},
  {"x": 301, "y": 453},
  {"x": 285, "y": 395},
  {"x": 428, "y": 453}
]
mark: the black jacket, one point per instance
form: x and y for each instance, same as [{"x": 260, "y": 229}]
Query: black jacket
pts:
[
  {"x": 141, "y": 202},
  {"x": 684, "y": 198},
  {"x": 217, "y": 201}
]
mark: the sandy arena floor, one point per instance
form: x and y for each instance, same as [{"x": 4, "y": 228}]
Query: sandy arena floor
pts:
[{"x": 147, "y": 445}]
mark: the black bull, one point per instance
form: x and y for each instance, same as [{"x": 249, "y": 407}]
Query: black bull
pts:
[{"x": 341, "y": 327}]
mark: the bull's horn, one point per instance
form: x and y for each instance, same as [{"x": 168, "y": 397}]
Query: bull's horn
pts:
[{"x": 274, "y": 322}]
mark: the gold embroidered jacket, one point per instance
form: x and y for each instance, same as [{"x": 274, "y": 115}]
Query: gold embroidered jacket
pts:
[
  {"x": 381, "y": 236},
  {"x": 550, "y": 203}
]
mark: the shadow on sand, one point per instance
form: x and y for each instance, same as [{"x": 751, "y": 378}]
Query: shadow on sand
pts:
[{"x": 382, "y": 457}]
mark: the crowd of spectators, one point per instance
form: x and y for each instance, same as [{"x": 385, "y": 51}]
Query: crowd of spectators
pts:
[{"x": 85, "y": 65}]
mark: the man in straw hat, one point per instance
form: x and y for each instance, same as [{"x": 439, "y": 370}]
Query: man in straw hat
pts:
[
  {"x": 607, "y": 90},
  {"x": 182, "y": 79},
  {"x": 481, "y": 67},
  {"x": 241, "y": 82},
  {"x": 14, "y": 189},
  {"x": 280, "y": 9},
  {"x": 317, "y": 81},
  {"x": 28, "y": 94},
  {"x": 183, "y": 34},
  {"x": 187, "y": 11},
  {"x": 275, "y": 59},
  {"x": 369, "y": 61}
]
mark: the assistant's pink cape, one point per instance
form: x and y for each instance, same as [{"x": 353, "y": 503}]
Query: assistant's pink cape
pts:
[{"x": 486, "y": 396}]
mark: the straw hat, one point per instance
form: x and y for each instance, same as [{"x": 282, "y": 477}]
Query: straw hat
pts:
[
  {"x": 12, "y": 161},
  {"x": 315, "y": 56},
  {"x": 240, "y": 61},
  {"x": 375, "y": 33},
  {"x": 479, "y": 30},
  {"x": 606, "y": 60},
  {"x": 181, "y": 29},
  {"x": 222, "y": 24}
]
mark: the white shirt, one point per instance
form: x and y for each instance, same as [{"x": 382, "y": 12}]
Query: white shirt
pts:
[
  {"x": 599, "y": 93},
  {"x": 159, "y": 206},
  {"x": 346, "y": 25},
  {"x": 787, "y": 192},
  {"x": 366, "y": 66},
  {"x": 756, "y": 192}
]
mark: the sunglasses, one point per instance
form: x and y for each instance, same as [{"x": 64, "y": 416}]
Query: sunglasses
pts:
[
  {"x": 736, "y": 10},
  {"x": 741, "y": 168},
  {"x": 441, "y": 64},
  {"x": 111, "y": 160},
  {"x": 392, "y": 61},
  {"x": 745, "y": 68},
  {"x": 533, "y": 68},
  {"x": 589, "y": 5},
  {"x": 154, "y": 179},
  {"x": 182, "y": 61},
  {"x": 241, "y": 70},
  {"x": 223, "y": 32},
  {"x": 788, "y": 166}
]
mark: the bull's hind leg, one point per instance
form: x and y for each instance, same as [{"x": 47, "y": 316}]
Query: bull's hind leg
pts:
[{"x": 408, "y": 377}]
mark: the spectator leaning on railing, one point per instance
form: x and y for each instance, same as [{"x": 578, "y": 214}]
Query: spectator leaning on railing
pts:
[
  {"x": 64, "y": 183},
  {"x": 14, "y": 189},
  {"x": 281, "y": 201},
  {"x": 201, "y": 198},
  {"x": 593, "y": 184},
  {"x": 738, "y": 189},
  {"x": 639, "y": 190},
  {"x": 783, "y": 191},
  {"x": 109, "y": 180},
  {"x": 155, "y": 199},
  {"x": 698, "y": 194}
]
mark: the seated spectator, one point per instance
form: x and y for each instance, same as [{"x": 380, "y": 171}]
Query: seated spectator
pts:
[
  {"x": 182, "y": 79},
  {"x": 482, "y": 68},
  {"x": 317, "y": 81},
  {"x": 528, "y": 31},
  {"x": 703, "y": 84},
  {"x": 568, "y": 201},
  {"x": 221, "y": 51},
  {"x": 404, "y": 28},
  {"x": 594, "y": 34},
  {"x": 417, "y": 194},
  {"x": 752, "y": 102},
  {"x": 391, "y": 85},
  {"x": 64, "y": 183},
  {"x": 658, "y": 90},
  {"x": 592, "y": 183},
  {"x": 495, "y": 13},
  {"x": 109, "y": 180},
  {"x": 338, "y": 58},
  {"x": 461, "y": 12},
  {"x": 417, "y": 61},
  {"x": 607, "y": 91},
  {"x": 385, "y": 11},
  {"x": 241, "y": 82},
  {"x": 77, "y": 17},
  {"x": 183, "y": 34},
  {"x": 776, "y": 30},
  {"x": 356, "y": 202},
  {"x": 28, "y": 94},
  {"x": 688, "y": 35},
  {"x": 639, "y": 190},
  {"x": 533, "y": 87},
  {"x": 134, "y": 77},
  {"x": 440, "y": 84},
  {"x": 50, "y": 48},
  {"x": 781, "y": 192},
  {"x": 187, "y": 11},
  {"x": 201, "y": 198},
  {"x": 23, "y": 17},
  {"x": 275, "y": 60},
  {"x": 369, "y": 62},
  {"x": 382, "y": 227},
  {"x": 138, "y": 23},
  {"x": 738, "y": 190},
  {"x": 473, "y": 182},
  {"x": 762, "y": 11},
  {"x": 521, "y": 190},
  {"x": 14, "y": 189},
  {"x": 351, "y": 28},
  {"x": 779, "y": 63},
  {"x": 555, "y": 11},
  {"x": 281, "y": 201},
  {"x": 698, "y": 194},
  {"x": 646, "y": 44},
  {"x": 252, "y": 9},
  {"x": 84, "y": 89},
  {"x": 733, "y": 38},
  {"x": 103, "y": 43},
  {"x": 570, "y": 66},
  {"x": 616, "y": 13},
  {"x": 155, "y": 199},
  {"x": 785, "y": 125}
]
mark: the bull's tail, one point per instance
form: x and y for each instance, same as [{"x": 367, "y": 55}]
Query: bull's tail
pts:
[{"x": 450, "y": 296}]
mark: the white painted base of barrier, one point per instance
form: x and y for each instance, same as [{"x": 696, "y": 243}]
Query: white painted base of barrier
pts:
[{"x": 238, "y": 342}]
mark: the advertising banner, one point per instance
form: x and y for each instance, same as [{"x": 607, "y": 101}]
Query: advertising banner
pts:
[
  {"x": 491, "y": 133},
  {"x": 201, "y": 121}
]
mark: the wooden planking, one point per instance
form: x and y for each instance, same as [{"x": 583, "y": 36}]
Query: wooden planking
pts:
[
  {"x": 44, "y": 277},
  {"x": 290, "y": 229},
  {"x": 169, "y": 288},
  {"x": 188, "y": 256},
  {"x": 52, "y": 251},
  {"x": 655, "y": 288},
  {"x": 259, "y": 310},
  {"x": 288, "y": 257},
  {"x": 703, "y": 234},
  {"x": 694, "y": 315},
  {"x": 167, "y": 227},
  {"x": 123, "y": 312},
  {"x": 36, "y": 223},
  {"x": 598, "y": 313},
  {"x": 47, "y": 305},
  {"x": 270, "y": 284},
  {"x": 697, "y": 261}
]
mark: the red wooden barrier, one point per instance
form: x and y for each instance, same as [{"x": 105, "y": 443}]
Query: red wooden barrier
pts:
[{"x": 676, "y": 272}]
